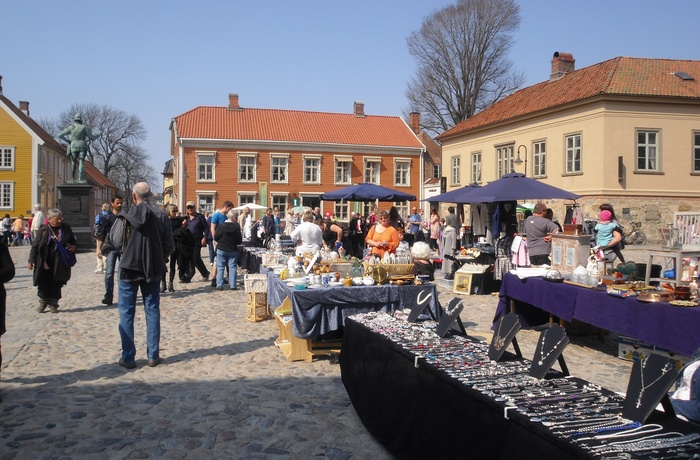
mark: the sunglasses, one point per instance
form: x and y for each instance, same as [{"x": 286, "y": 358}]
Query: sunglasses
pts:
[{"x": 190, "y": 207}]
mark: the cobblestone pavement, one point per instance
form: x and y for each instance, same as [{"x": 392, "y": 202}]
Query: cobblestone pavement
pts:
[{"x": 223, "y": 390}]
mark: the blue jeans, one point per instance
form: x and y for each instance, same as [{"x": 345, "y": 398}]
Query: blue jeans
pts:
[
  {"x": 226, "y": 259},
  {"x": 110, "y": 265},
  {"x": 150, "y": 293}
]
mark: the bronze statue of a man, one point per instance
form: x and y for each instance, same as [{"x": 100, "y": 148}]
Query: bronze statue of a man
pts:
[{"x": 77, "y": 145}]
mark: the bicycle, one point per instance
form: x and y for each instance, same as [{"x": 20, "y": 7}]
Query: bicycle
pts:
[{"x": 636, "y": 235}]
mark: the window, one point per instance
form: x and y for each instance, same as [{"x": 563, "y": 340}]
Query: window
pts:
[
  {"x": 281, "y": 202},
  {"x": 7, "y": 193},
  {"x": 696, "y": 152},
  {"x": 312, "y": 169},
  {"x": 454, "y": 171},
  {"x": 279, "y": 168},
  {"x": 437, "y": 170},
  {"x": 373, "y": 167},
  {"x": 7, "y": 158},
  {"x": 476, "y": 167},
  {"x": 205, "y": 166},
  {"x": 647, "y": 150},
  {"x": 573, "y": 154},
  {"x": 343, "y": 170},
  {"x": 504, "y": 159},
  {"x": 246, "y": 167},
  {"x": 205, "y": 202},
  {"x": 539, "y": 157},
  {"x": 342, "y": 210},
  {"x": 402, "y": 207},
  {"x": 246, "y": 198},
  {"x": 402, "y": 172}
]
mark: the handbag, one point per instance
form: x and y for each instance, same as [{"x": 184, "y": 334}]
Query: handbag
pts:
[{"x": 67, "y": 257}]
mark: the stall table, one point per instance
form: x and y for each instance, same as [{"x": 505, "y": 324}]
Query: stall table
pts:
[
  {"x": 659, "y": 323},
  {"x": 319, "y": 313}
]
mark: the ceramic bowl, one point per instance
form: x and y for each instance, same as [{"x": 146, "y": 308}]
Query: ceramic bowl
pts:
[
  {"x": 367, "y": 281},
  {"x": 357, "y": 281}
]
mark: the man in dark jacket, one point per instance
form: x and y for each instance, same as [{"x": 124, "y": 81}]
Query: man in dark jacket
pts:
[
  {"x": 147, "y": 241},
  {"x": 227, "y": 236},
  {"x": 197, "y": 224}
]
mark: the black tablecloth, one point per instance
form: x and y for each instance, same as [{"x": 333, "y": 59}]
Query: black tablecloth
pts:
[
  {"x": 419, "y": 413},
  {"x": 249, "y": 258},
  {"x": 660, "y": 323},
  {"x": 319, "y": 311}
]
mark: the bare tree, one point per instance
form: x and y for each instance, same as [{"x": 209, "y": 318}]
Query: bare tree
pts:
[
  {"x": 117, "y": 153},
  {"x": 461, "y": 52}
]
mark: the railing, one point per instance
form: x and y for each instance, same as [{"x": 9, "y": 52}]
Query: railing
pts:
[{"x": 688, "y": 225}]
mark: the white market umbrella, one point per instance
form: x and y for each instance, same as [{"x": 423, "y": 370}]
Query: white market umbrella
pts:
[{"x": 251, "y": 206}]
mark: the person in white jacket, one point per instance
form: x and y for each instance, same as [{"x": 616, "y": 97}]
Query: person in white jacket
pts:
[{"x": 308, "y": 235}]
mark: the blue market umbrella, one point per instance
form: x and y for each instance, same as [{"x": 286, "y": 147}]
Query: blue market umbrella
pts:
[
  {"x": 367, "y": 192},
  {"x": 454, "y": 196},
  {"x": 516, "y": 186}
]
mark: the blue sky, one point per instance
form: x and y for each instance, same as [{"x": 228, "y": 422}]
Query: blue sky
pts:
[{"x": 158, "y": 59}]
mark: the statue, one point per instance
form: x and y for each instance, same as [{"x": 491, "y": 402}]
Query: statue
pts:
[{"x": 77, "y": 145}]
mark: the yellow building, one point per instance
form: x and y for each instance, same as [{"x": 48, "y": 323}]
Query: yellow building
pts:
[{"x": 624, "y": 131}]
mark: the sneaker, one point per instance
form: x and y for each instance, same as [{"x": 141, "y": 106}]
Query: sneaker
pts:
[
  {"x": 128, "y": 364},
  {"x": 220, "y": 288},
  {"x": 154, "y": 362},
  {"x": 99, "y": 272}
]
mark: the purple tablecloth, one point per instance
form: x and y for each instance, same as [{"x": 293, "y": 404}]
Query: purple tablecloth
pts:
[{"x": 660, "y": 324}]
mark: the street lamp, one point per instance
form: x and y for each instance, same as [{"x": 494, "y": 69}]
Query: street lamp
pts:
[{"x": 518, "y": 161}]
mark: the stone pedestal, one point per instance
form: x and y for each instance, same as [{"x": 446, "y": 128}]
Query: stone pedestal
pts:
[{"x": 75, "y": 206}]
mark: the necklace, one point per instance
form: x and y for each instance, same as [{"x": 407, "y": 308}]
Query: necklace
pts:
[
  {"x": 543, "y": 356},
  {"x": 498, "y": 341},
  {"x": 664, "y": 370},
  {"x": 449, "y": 311}
]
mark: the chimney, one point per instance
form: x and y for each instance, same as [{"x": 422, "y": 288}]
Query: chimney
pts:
[
  {"x": 359, "y": 109},
  {"x": 414, "y": 122},
  {"x": 24, "y": 107},
  {"x": 0, "y": 85},
  {"x": 562, "y": 63},
  {"x": 233, "y": 101}
]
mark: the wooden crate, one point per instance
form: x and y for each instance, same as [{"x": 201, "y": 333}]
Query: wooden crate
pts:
[{"x": 258, "y": 310}]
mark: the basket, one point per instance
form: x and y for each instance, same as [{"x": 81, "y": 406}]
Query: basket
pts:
[
  {"x": 258, "y": 309},
  {"x": 391, "y": 269},
  {"x": 255, "y": 283}
]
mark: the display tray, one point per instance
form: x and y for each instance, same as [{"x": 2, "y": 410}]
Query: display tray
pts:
[
  {"x": 684, "y": 303},
  {"x": 656, "y": 296}
]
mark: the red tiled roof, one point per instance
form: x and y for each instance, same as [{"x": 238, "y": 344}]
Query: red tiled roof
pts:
[
  {"x": 295, "y": 126},
  {"x": 618, "y": 76}
]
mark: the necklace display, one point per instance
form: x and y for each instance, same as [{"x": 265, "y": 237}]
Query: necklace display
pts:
[
  {"x": 664, "y": 370},
  {"x": 543, "y": 356},
  {"x": 500, "y": 341},
  {"x": 450, "y": 311}
]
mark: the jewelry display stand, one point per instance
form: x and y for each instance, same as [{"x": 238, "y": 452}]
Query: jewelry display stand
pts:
[
  {"x": 549, "y": 348},
  {"x": 416, "y": 312},
  {"x": 649, "y": 382},
  {"x": 449, "y": 316},
  {"x": 508, "y": 327}
]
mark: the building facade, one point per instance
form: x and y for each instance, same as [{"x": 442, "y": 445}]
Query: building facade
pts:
[
  {"x": 625, "y": 131},
  {"x": 281, "y": 158}
]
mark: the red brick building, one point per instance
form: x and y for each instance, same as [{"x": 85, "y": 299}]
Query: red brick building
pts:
[{"x": 272, "y": 157}]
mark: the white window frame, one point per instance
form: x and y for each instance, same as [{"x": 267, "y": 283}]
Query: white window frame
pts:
[
  {"x": 247, "y": 156},
  {"x": 281, "y": 200},
  {"x": 342, "y": 210},
  {"x": 283, "y": 165},
  {"x": 504, "y": 159},
  {"x": 312, "y": 167},
  {"x": 695, "y": 167},
  {"x": 455, "y": 170},
  {"x": 209, "y": 166},
  {"x": 402, "y": 207},
  {"x": 402, "y": 167},
  {"x": 539, "y": 159},
  {"x": 7, "y": 195},
  {"x": 372, "y": 170},
  {"x": 246, "y": 198},
  {"x": 205, "y": 201},
  {"x": 7, "y": 158},
  {"x": 647, "y": 157},
  {"x": 476, "y": 167},
  {"x": 342, "y": 170},
  {"x": 573, "y": 148}
]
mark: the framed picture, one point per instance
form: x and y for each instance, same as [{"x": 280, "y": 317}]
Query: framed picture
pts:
[{"x": 462, "y": 283}]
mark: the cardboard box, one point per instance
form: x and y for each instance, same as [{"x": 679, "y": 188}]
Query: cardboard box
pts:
[{"x": 633, "y": 350}]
